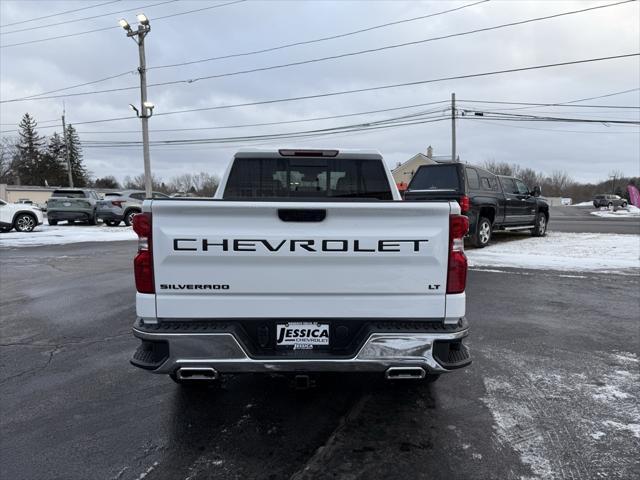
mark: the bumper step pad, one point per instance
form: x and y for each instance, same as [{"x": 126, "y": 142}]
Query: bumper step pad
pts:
[
  {"x": 451, "y": 355},
  {"x": 150, "y": 355}
]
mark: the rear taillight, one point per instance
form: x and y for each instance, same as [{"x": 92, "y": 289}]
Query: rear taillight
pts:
[
  {"x": 143, "y": 261},
  {"x": 117, "y": 203},
  {"x": 457, "y": 270},
  {"x": 464, "y": 204}
]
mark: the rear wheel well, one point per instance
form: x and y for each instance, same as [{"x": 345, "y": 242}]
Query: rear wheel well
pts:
[
  {"x": 24, "y": 212},
  {"x": 488, "y": 213},
  {"x": 545, "y": 211}
]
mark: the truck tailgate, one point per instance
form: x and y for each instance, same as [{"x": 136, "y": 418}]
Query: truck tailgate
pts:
[{"x": 227, "y": 259}]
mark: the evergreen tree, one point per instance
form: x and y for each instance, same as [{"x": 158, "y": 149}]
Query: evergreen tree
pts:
[
  {"x": 55, "y": 161},
  {"x": 28, "y": 165},
  {"x": 78, "y": 170}
]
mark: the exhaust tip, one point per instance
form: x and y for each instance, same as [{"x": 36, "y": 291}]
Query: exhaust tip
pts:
[
  {"x": 405, "y": 373},
  {"x": 197, "y": 373}
]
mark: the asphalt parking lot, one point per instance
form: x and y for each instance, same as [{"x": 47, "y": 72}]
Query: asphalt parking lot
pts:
[
  {"x": 579, "y": 219},
  {"x": 552, "y": 392}
]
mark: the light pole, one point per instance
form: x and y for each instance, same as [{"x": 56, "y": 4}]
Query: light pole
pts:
[
  {"x": 453, "y": 128},
  {"x": 146, "y": 107}
]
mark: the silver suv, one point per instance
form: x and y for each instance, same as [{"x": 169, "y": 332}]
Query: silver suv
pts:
[
  {"x": 609, "y": 201},
  {"x": 122, "y": 206}
]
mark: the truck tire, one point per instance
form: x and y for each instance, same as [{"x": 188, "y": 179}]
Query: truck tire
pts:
[
  {"x": 482, "y": 235},
  {"x": 51, "y": 221},
  {"x": 112, "y": 223},
  {"x": 609, "y": 205},
  {"x": 624, "y": 205},
  {"x": 540, "y": 228},
  {"x": 25, "y": 222},
  {"x": 92, "y": 219}
]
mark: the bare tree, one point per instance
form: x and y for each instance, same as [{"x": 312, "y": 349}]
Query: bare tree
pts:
[
  {"x": 202, "y": 184},
  {"x": 8, "y": 153},
  {"x": 557, "y": 183}
]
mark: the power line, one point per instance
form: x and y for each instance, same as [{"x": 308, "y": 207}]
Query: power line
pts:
[
  {"x": 298, "y": 134},
  {"x": 517, "y": 117},
  {"x": 271, "y": 49},
  {"x": 383, "y": 124},
  {"x": 109, "y": 28},
  {"x": 367, "y": 89},
  {"x": 66, "y": 22},
  {"x": 58, "y": 14},
  {"x": 320, "y": 59},
  {"x": 321, "y": 39},
  {"x": 506, "y": 124},
  {"x": 280, "y": 47},
  {"x": 529, "y": 104},
  {"x": 284, "y": 122}
]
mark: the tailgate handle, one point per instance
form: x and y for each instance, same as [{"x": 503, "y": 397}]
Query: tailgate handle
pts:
[{"x": 299, "y": 215}]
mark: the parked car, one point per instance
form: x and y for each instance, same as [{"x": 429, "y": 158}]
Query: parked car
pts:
[
  {"x": 490, "y": 201},
  {"x": 72, "y": 205},
  {"x": 122, "y": 206},
  {"x": 609, "y": 201},
  {"x": 28, "y": 201},
  {"x": 21, "y": 216},
  {"x": 314, "y": 264}
]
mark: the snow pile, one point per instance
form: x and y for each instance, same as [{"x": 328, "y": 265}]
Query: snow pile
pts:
[
  {"x": 563, "y": 251},
  {"x": 629, "y": 211},
  {"x": 61, "y": 234},
  {"x": 583, "y": 204}
]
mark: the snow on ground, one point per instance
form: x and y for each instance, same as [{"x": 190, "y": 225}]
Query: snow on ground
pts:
[
  {"x": 582, "y": 204},
  {"x": 562, "y": 251},
  {"x": 61, "y": 234},
  {"x": 549, "y": 404},
  {"x": 630, "y": 211}
]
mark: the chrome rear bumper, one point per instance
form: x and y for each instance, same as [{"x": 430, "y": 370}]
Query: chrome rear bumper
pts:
[{"x": 223, "y": 352}]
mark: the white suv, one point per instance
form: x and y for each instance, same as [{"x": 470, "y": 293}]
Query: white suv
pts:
[{"x": 21, "y": 216}]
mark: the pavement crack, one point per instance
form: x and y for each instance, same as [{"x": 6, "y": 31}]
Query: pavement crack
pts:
[
  {"x": 324, "y": 451},
  {"x": 53, "y": 350},
  {"x": 51, "y": 353}
]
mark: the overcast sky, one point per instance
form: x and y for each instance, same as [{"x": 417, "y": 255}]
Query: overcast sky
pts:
[{"x": 587, "y": 151}]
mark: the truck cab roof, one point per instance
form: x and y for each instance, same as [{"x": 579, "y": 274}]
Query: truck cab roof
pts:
[{"x": 364, "y": 154}]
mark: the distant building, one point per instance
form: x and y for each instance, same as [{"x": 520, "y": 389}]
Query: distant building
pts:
[
  {"x": 38, "y": 195},
  {"x": 403, "y": 172}
]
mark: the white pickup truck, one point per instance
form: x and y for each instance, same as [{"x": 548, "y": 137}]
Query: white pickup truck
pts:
[{"x": 305, "y": 261}]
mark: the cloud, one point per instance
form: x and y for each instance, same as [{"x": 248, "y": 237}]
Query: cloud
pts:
[{"x": 249, "y": 26}]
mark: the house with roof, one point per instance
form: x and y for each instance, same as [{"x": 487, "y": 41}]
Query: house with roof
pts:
[{"x": 403, "y": 172}]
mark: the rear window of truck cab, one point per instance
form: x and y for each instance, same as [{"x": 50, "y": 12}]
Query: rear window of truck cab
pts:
[
  {"x": 437, "y": 177},
  {"x": 321, "y": 178}
]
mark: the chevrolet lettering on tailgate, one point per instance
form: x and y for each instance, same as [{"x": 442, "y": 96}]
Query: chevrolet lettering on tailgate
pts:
[{"x": 304, "y": 261}]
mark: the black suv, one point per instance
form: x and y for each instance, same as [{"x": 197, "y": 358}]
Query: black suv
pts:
[{"x": 490, "y": 201}]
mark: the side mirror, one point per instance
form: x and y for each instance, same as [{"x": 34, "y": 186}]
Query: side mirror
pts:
[{"x": 536, "y": 191}]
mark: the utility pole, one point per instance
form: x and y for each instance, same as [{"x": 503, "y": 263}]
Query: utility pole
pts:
[
  {"x": 146, "y": 107},
  {"x": 453, "y": 127},
  {"x": 66, "y": 150}
]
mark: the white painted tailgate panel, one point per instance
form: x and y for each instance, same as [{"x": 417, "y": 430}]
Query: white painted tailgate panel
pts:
[{"x": 300, "y": 283}]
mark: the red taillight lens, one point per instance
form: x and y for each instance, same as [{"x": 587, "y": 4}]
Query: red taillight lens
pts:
[
  {"x": 457, "y": 270},
  {"x": 142, "y": 225},
  {"x": 143, "y": 272},
  {"x": 117, "y": 203},
  {"x": 143, "y": 261},
  {"x": 464, "y": 204}
]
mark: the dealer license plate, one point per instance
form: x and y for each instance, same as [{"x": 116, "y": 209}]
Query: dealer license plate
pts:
[{"x": 302, "y": 335}]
